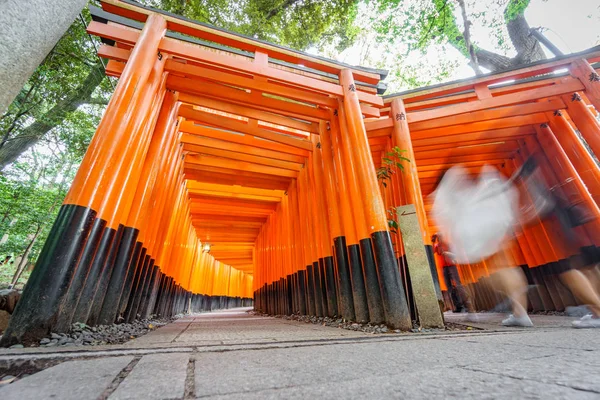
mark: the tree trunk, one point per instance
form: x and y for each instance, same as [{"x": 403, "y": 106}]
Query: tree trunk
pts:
[
  {"x": 527, "y": 46},
  {"x": 23, "y": 263},
  {"x": 493, "y": 61},
  {"x": 29, "y": 136}
]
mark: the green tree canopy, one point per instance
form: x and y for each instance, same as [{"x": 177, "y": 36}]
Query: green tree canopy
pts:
[{"x": 299, "y": 24}]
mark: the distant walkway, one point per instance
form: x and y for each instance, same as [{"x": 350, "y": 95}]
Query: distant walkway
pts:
[{"x": 233, "y": 355}]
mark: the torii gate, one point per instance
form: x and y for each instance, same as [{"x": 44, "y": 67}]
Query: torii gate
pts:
[{"x": 238, "y": 170}]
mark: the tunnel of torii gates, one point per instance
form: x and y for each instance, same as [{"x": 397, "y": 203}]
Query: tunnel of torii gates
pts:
[{"x": 229, "y": 171}]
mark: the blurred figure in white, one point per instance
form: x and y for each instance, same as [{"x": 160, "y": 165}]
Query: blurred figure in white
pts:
[{"x": 477, "y": 216}]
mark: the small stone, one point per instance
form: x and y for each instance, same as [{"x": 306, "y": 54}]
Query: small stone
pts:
[
  {"x": 55, "y": 336},
  {"x": 45, "y": 341},
  {"x": 63, "y": 340},
  {"x": 16, "y": 346},
  {"x": 396, "y": 330},
  {"x": 384, "y": 329},
  {"x": 53, "y": 341}
]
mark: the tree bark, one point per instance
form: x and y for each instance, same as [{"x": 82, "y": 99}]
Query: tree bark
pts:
[
  {"x": 527, "y": 46},
  {"x": 29, "y": 136}
]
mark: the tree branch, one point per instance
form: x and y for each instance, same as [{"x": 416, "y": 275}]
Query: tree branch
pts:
[
  {"x": 97, "y": 100},
  {"x": 467, "y": 36},
  {"x": 54, "y": 117}
]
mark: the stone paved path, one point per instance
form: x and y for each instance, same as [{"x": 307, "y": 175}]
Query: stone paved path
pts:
[{"x": 233, "y": 355}]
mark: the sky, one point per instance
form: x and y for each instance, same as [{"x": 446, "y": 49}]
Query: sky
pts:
[{"x": 572, "y": 25}]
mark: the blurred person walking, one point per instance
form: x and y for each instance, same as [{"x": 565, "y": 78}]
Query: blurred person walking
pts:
[{"x": 576, "y": 273}]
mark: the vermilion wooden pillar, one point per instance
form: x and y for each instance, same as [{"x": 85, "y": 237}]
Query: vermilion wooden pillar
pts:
[
  {"x": 584, "y": 120},
  {"x": 410, "y": 178},
  {"x": 392, "y": 291}
]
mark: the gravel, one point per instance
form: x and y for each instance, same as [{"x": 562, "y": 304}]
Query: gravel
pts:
[
  {"x": 354, "y": 326},
  {"x": 84, "y": 335}
]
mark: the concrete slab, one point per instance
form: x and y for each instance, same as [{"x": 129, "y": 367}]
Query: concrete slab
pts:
[
  {"x": 76, "y": 380},
  {"x": 156, "y": 376}
]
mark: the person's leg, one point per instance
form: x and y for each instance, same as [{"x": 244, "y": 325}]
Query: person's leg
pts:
[
  {"x": 461, "y": 291},
  {"x": 451, "y": 289},
  {"x": 593, "y": 274},
  {"x": 582, "y": 289},
  {"x": 513, "y": 283},
  {"x": 455, "y": 282}
]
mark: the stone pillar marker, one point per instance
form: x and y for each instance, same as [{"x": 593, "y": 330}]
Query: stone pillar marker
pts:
[
  {"x": 30, "y": 29},
  {"x": 428, "y": 309}
]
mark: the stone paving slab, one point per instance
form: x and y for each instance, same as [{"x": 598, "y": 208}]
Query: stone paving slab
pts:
[
  {"x": 431, "y": 384},
  {"x": 249, "y": 371},
  {"x": 155, "y": 376},
  {"x": 236, "y": 326},
  {"x": 71, "y": 380}
]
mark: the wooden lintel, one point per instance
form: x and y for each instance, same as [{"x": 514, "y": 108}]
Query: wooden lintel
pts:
[
  {"x": 214, "y": 120},
  {"x": 199, "y": 136},
  {"x": 488, "y": 114},
  {"x": 250, "y": 100},
  {"x": 567, "y": 85},
  {"x": 192, "y": 160},
  {"x": 482, "y": 126},
  {"x": 234, "y": 155},
  {"x": 243, "y": 111}
]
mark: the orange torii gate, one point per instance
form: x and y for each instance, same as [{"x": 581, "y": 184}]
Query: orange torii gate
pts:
[{"x": 227, "y": 169}]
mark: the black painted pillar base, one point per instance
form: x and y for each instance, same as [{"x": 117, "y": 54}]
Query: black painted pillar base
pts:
[
  {"x": 302, "y": 294},
  {"x": 376, "y": 312},
  {"x": 323, "y": 286},
  {"x": 112, "y": 299},
  {"x": 392, "y": 292},
  {"x": 104, "y": 278},
  {"x": 359, "y": 293},
  {"x": 332, "y": 297},
  {"x": 310, "y": 290},
  {"x": 37, "y": 311},
  {"x": 82, "y": 273},
  {"x": 343, "y": 278},
  {"x": 317, "y": 289}
]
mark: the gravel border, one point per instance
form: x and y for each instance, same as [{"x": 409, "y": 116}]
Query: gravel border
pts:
[
  {"x": 367, "y": 328},
  {"x": 84, "y": 335}
]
